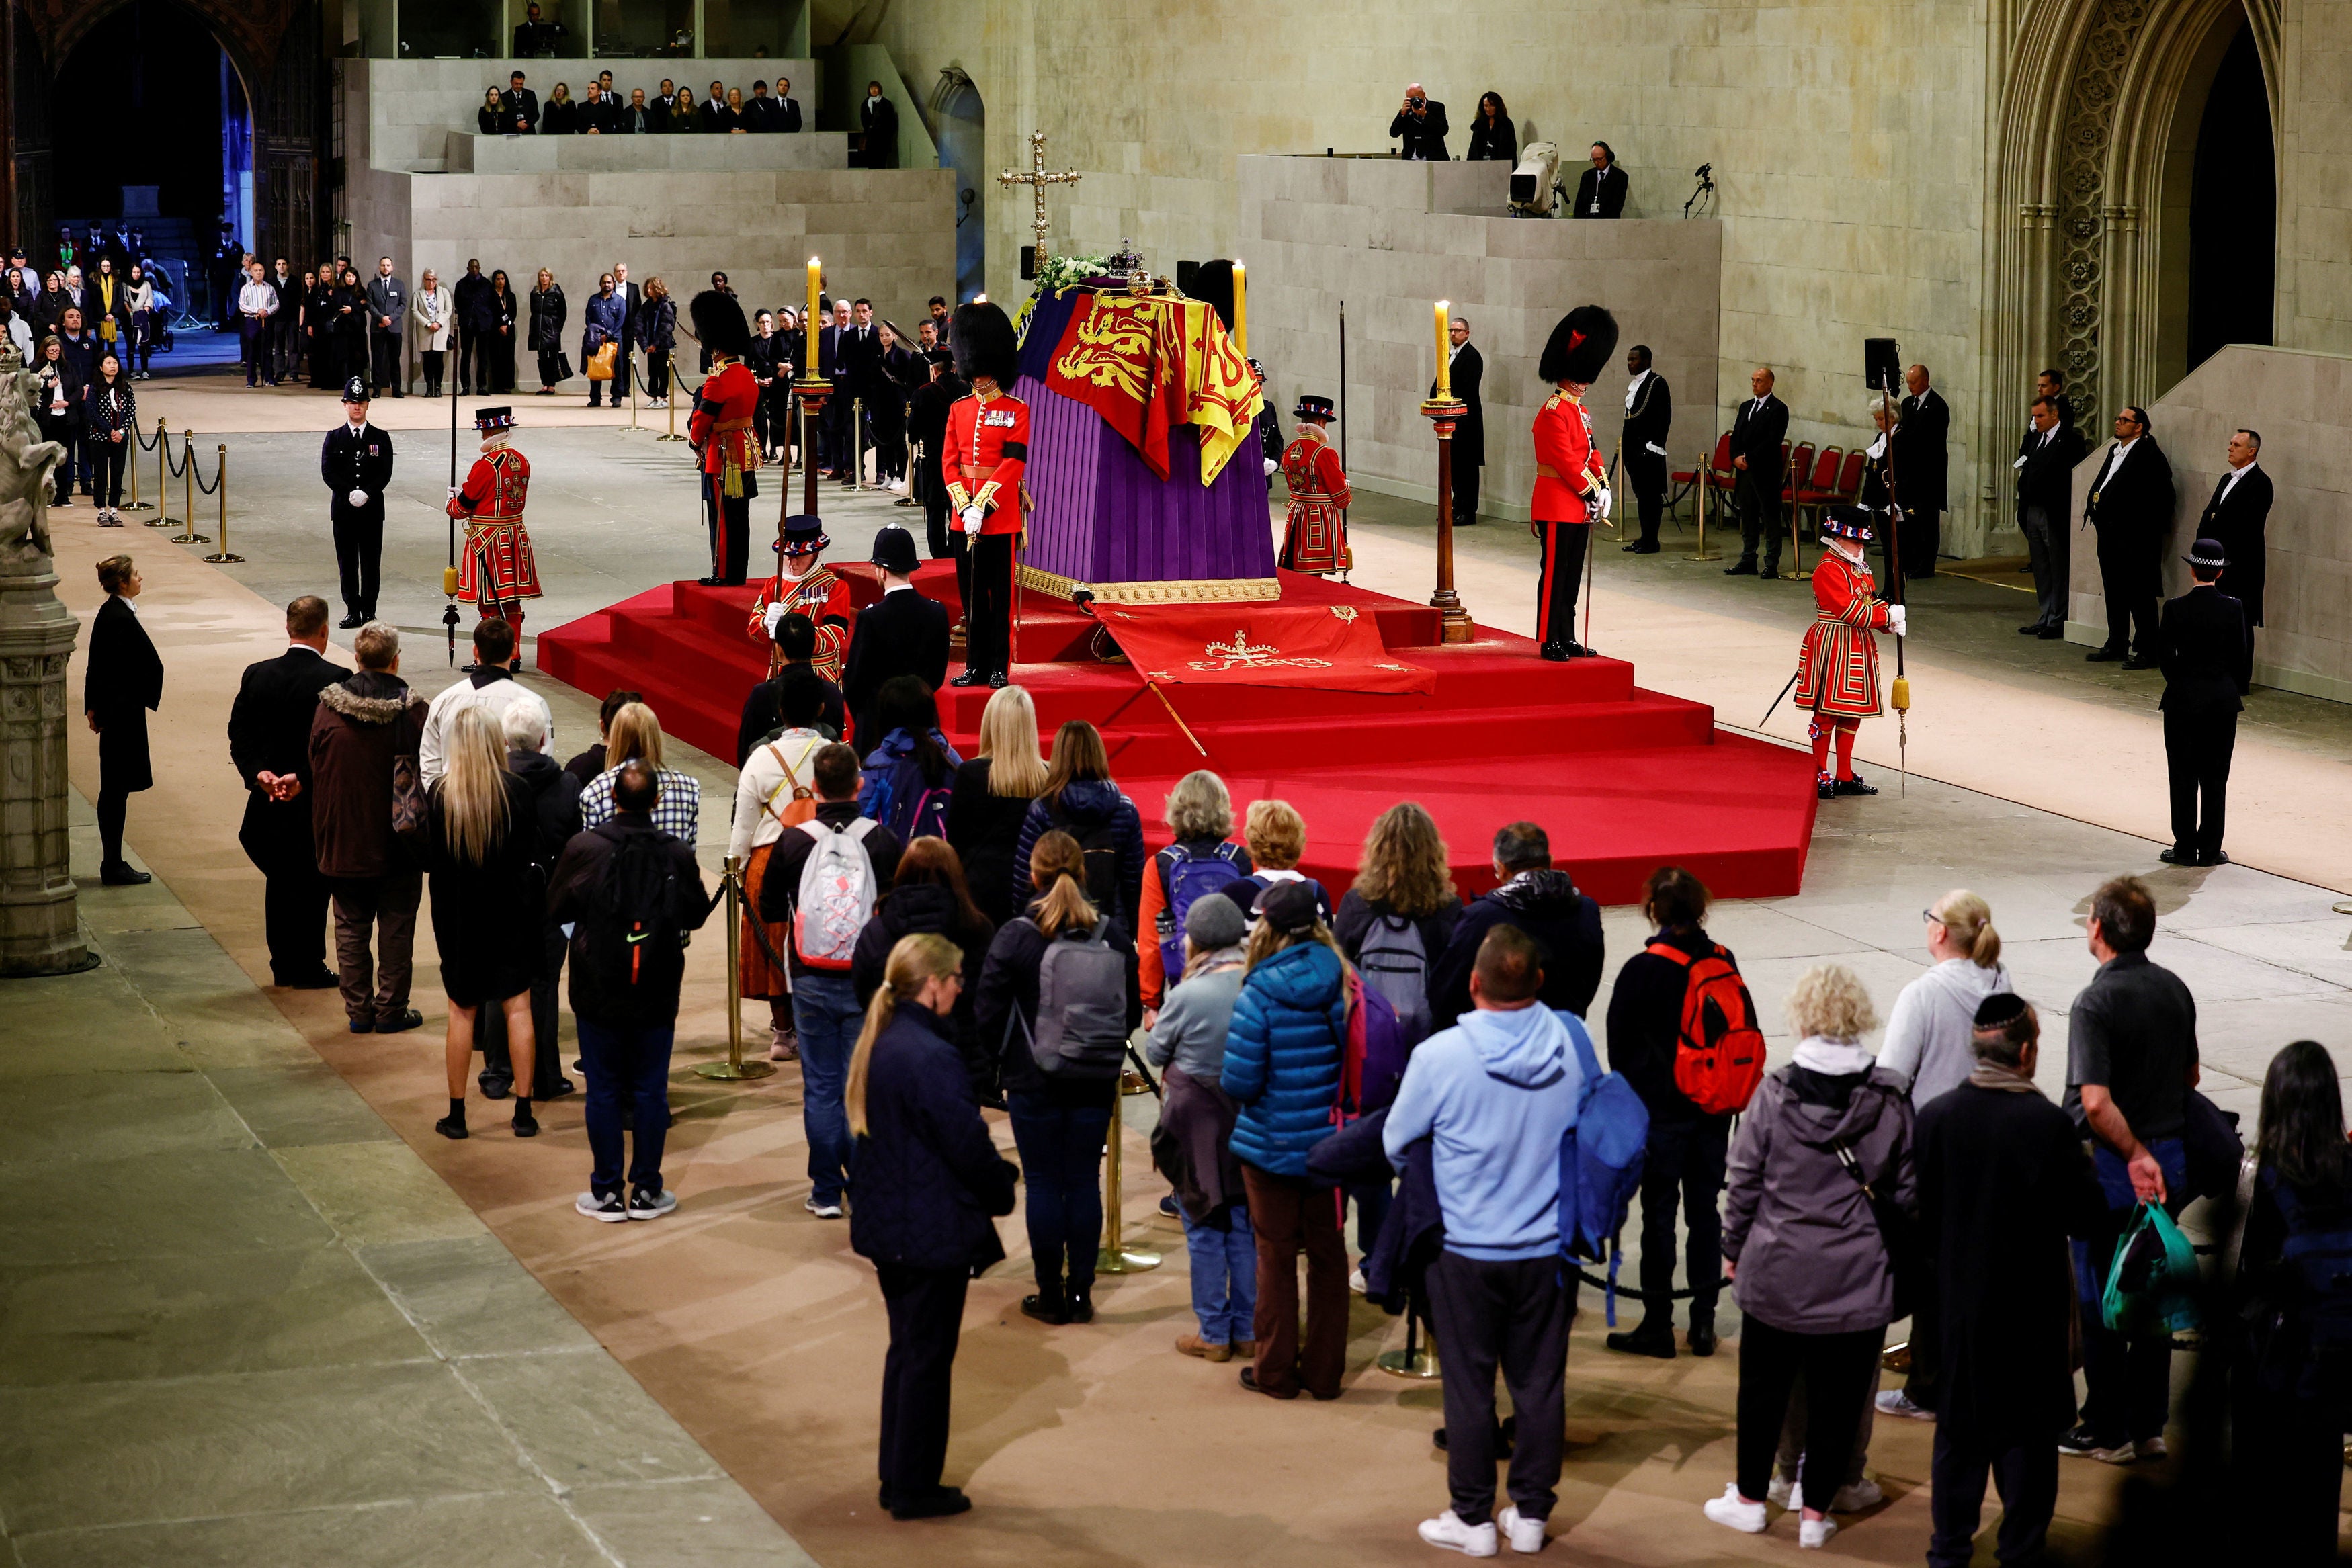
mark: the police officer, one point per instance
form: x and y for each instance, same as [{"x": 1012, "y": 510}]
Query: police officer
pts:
[
  {"x": 2207, "y": 654},
  {"x": 356, "y": 464}
]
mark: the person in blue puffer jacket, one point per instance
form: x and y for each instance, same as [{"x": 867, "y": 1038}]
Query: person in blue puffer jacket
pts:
[{"x": 1283, "y": 1058}]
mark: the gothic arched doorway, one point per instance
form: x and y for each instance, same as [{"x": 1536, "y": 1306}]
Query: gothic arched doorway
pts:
[
  {"x": 963, "y": 124},
  {"x": 2233, "y": 209}
]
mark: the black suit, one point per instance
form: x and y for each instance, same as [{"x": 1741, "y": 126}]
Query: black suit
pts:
[
  {"x": 1424, "y": 134},
  {"x": 877, "y": 117},
  {"x": 1921, "y": 465},
  {"x": 633, "y": 325},
  {"x": 269, "y": 732},
  {"x": 901, "y": 633},
  {"x": 2207, "y": 650},
  {"x": 715, "y": 118},
  {"x": 519, "y": 109},
  {"x": 362, "y": 463},
  {"x": 2045, "y": 500},
  {"x": 854, "y": 367},
  {"x": 2236, "y": 521},
  {"x": 1646, "y": 426},
  {"x": 788, "y": 115},
  {"x": 1601, "y": 193},
  {"x": 926, "y": 427},
  {"x": 1469, "y": 432},
  {"x": 1757, "y": 433},
  {"x": 124, "y": 681},
  {"x": 2130, "y": 506},
  {"x": 464, "y": 294}
]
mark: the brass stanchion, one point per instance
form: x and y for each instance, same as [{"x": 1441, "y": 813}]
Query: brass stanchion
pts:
[
  {"x": 856, "y": 480},
  {"x": 188, "y": 493},
  {"x": 1704, "y": 480},
  {"x": 220, "y": 493},
  {"x": 163, "y": 479},
  {"x": 1418, "y": 1359},
  {"x": 1454, "y": 622},
  {"x": 1116, "y": 1257},
  {"x": 131, "y": 463},
  {"x": 628, "y": 362},
  {"x": 734, "y": 1068},
  {"x": 672, "y": 401}
]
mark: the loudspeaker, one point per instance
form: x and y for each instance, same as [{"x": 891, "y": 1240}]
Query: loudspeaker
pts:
[
  {"x": 1028, "y": 264},
  {"x": 1882, "y": 365}
]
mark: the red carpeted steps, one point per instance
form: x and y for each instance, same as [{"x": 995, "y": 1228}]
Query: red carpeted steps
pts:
[{"x": 1623, "y": 779}]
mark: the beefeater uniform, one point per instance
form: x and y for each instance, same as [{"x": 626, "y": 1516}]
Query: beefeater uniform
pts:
[
  {"x": 496, "y": 572},
  {"x": 982, "y": 463},
  {"x": 821, "y": 596},
  {"x": 1837, "y": 665},
  {"x": 1315, "y": 534},
  {"x": 722, "y": 434}
]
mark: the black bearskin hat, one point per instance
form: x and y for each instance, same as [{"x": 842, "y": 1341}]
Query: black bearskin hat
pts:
[
  {"x": 1580, "y": 346},
  {"x": 984, "y": 344},
  {"x": 718, "y": 324}
]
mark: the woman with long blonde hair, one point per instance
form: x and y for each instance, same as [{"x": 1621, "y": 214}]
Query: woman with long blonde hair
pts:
[
  {"x": 992, "y": 797},
  {"x": 929, "y": 1181},
  {"x": 1059, "y": 1120},
  {"x": 486, "y": 894},
  {"x": 635, "y": 732}
]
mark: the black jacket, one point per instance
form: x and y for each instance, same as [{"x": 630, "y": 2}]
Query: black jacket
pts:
[
  {"x": 1470, "y": 431},
  {"x": 927, "y": 908},
  {"x": 2237, "y": 523},
  {"x": 1650, "y": 418},
  {"x": 269, "y": 732},
  {"x": 362, "y": 463},
  {"x": 1352, "y": 922},
  {"x": 1008, "y": 985},
  {"x": 2207, "y": 651},
  {"x": 561, "y": 118},
  {"x": 926, "y": 1174},
  {"x": 1424, "y": 136},
  {"x": 1645, "y": 1024},
  {"x": 1921, "y": 459},
  {"x": 780, "y": 890},
  {"x": 901, "y": 633},
  {"x": 926, "y": 415},
  {"x": 1501, "y": 144},
  {"x": 877, "y": 117},
  {"x": 574, "y": 898},
  {"x": 555, "y": 802},
  {"x": 1757, "y": 436},
  {"x": 1546, "y": 904},
  {"x": 2135, "y": 496},
  {"x": 547, "y": 311},
  {"x": 124, "y": 681},
  {"x": 762, "y": 714},
  {"x": 520, "y": 106},
  {"x": 1601, "y": 193},
  {"x": 470, "y": 287},
  {"x": 985, "y": 831},
  {"x": 2047, "y": 480}
]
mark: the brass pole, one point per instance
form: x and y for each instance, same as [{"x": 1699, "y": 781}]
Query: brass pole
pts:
[
  {"x": 162, "y": 480},
  {"x": 734, "y": 1068},
  {"x": 1454, "y": 622},
  {"x": 1704, "y": 479},
  {"x": 1115, "y": 1258},
  {"x": 131, "y": 461},
  {"x": 188, "y": 493},
  {"x": 856, "y": 480},
  {"x": 220, "y": 494},
  {"x": 672, "y": 401}
]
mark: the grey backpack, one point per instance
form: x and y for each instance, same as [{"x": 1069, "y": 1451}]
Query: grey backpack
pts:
[{"x": 1081, "y": 1029}]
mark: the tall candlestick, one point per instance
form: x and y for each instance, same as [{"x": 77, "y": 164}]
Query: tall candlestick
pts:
[
  {"x": 1444, "y": 360},
  {"x": 816, "y": 286},
  {"x": 1241, "y": 310}
]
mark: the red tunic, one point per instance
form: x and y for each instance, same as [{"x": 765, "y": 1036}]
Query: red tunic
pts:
[
  {"x": 490, "y": 506},
  {"x": 984, "y": 457},
  {"x": 1315, "y": 535},
  {"x": 721, "y": 426},
  {"x": 823, "y": 598},
  {"x": 1570, "y": 473},
  {"x": 1837, "y": 666}
]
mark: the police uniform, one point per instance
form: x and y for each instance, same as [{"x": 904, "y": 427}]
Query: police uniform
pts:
[
  {"x": 1315, "y": 535},
  {"x": 982, "y": 463},
  {"x": 357, "y": 458},
  {"x": 816, "y": 593},
  {"x": 724, "y": 436},
  {"x": 2207, "y": 650},
  {"x": 1837, "y": 664},
  {"x": 496, "y": 572},
  {"x": 1571, "y": 490}
]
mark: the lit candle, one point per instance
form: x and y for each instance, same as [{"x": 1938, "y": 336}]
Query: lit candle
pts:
[
  {"x": 1445, "y": 364},
  {"x": 816, "y": 286},
  {"x": 1241, "y": 309}
]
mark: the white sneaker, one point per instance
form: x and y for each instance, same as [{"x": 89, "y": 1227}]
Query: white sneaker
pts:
[
  {"x": 607, "y": 1208},
  {"x": 1783, "y": 1491},
  {"x": 1736, "y": 1512},
  {"x": 643, "y": 1205},
  {"x": 1899, "y": 1402},
  {"x": 1525, "y": 1534},
  {"x": 1470, "y": 1540},
  {"x": 1814, "y": 1533},
  {"x": 1356, "y": 1282},
  {"x": 822, "y": 1210},
  {"x": 1857, "y": 1497}
]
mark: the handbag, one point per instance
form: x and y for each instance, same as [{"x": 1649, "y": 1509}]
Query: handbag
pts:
[
  {"x": 411, "y": 821},
  {"x": 563, "y": 366},
  {"x": 600, "y": 363},
  {"x": 1895, "y": 1233}
]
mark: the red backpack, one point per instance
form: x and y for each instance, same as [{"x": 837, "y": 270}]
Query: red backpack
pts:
[{"x": 1719, "y": 1055}]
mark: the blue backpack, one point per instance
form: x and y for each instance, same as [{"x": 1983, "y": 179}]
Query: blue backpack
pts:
[
  {"x": 1188, "y": 878},
  {"x": 895, "y": 794},
  {"x": 1599, "y": 1163}
]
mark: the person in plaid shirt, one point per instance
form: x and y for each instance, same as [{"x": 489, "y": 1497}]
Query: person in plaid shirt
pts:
[{"x": 635, "y": 732}]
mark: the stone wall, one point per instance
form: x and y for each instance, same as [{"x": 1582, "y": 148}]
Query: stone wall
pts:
[
  {"x": 2314, "y": 158},
  {"x": 2301, "y": 403},
  {"x": 1389, "y": 238},
  {"x": 473, "y": 154}
]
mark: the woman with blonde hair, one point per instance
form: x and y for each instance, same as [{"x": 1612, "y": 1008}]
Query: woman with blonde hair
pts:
[
  {"x": 1826, "y": 1136},
  {"x": 1060, "y": 1119},
  {"x": 1204, "y": 858},
  {"x": 482, "y": 852},
  {"x": 635, "y": 732},
  {"x": 1081, "y": 799},
  {"x": 929, "y": 1183},
  {"x": 992, "y": 797}
]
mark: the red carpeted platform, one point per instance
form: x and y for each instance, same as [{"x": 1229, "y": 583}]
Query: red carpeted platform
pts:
[{"x": 1624, "y": 779}]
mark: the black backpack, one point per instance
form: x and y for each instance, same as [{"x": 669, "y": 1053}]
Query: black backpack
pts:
[
  {"x": 633, "y": 937},
  {"x": 1100, "y": 842}
]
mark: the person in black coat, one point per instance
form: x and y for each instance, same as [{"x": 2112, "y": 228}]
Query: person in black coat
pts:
[
  {"x": 2207, "y": 653},
  {"x": 2235, "y": 518},
  {"x": 1491, "y": 135},
  {"x": 795, "y": 639},
  {"x": 555, "y": 796},
  {"x": 2045, "y": 504},
  {"x": 901, "y": 633},
  {"x": 465, "y": 302},
  {"x": 2130, "y": 509},
  {"x": 929, "y": 1186},
  {"x": 1600, "y": 190},
  {"x": 356, "y": 464},
  {"x": 1649, "y": 417},
  {"x": 2003, "y": 1182},
  {"x": 877, "y": 119},
  {"x": 1421, "y": 122},
  {"x": 1467, "y": 372},
  {"x": 269, "y": 746},
  {"x": 1758, "y": 433},
  {"x": 1542, "y": 902},
  {"x": 125, "y": 679},
  {"x": 926, "y": 428},
  {"x": 1921, "y": 464},
  {"x": 927, "y": 894}
]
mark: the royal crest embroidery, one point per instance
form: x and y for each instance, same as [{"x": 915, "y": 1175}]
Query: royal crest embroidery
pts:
[{"x": 1243, "y": 653}]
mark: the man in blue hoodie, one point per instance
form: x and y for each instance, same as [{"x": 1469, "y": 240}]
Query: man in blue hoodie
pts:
[{"x": 1497, "y": 1093}]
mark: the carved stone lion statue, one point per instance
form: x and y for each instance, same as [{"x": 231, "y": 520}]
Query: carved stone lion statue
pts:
[{"x": 25, "y": 463}]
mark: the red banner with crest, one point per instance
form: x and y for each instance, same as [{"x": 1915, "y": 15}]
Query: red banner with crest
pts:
[{"x": 1337, "y": 647}]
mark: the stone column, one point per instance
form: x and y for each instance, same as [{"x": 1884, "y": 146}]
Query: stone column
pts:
[{"x": 39, "y": 931}]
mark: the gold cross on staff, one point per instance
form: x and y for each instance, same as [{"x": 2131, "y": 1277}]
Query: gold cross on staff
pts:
[{"x": 1037, "y": 179}]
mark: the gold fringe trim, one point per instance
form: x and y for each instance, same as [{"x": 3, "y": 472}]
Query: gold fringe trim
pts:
[{"x": 1197, "y": 590}]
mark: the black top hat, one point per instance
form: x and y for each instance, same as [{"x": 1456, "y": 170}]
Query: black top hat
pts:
[
  {"x": 1312, "y": 407},
  {"x": 985, "y": 344},
  {"x": 894, "y": 551},
  {"x": 2206, "y": 553},
  {"x": 718, "y": 323},
  {"x": 489, "y": 419},
  {"x": 804, "y": 535},
  {"x": 355, "y": 389},
  {"x": 1848, "y": 523},
  {"x": 1582, "y": 346}
]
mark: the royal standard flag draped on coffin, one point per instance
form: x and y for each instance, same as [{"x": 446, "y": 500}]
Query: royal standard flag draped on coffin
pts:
[{"x": 1145, "y": 365}]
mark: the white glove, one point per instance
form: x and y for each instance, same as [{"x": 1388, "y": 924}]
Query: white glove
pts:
[
  {"x": 972, "y": 518},
  {"x": 1656, "y": 448},
  {"x": 453, "y": 492},
  {"x": 1601, "y": 501},
  {"x": 1896, "y": 618},
  {"x": 359, "y": 497},
  {"x": 1272, "y": 467}
]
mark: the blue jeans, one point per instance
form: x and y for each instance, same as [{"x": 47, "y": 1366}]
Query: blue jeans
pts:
[
  {"x": 631, "y": 1063},
  {"x": 1061, "y": 1163},
  {"x": 1224, "y": 1275},
  {"x": 2127, "y": 1383},
  {"x": 826, "y": 1015}
]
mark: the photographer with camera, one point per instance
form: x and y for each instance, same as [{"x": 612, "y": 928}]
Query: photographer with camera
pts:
[{"x": 1421, "y": 122}]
